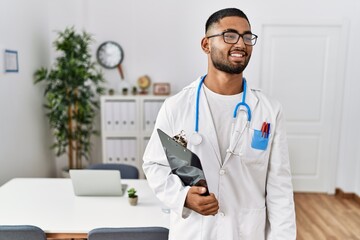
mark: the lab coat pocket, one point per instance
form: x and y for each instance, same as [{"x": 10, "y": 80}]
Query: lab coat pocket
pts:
[
  {"x": 259, "y": 141},
  {"x": 252, "y": 224},
  {"x": 254, "y": 147}
]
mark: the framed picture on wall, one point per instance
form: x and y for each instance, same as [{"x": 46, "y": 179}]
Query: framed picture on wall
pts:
[
  {"x": 161, "y": 88},
  {"x": 11, "y": 61}
]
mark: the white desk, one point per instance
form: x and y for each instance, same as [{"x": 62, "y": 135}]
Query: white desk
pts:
[{"x": 50, "y": 204}]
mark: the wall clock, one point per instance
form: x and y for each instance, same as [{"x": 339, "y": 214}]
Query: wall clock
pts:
[{"x": 110, "y": 55}]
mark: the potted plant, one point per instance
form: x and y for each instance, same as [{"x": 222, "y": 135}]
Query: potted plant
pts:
[
  {"x": 133, "y": 198},
  {"x": 71, "y": 89}
]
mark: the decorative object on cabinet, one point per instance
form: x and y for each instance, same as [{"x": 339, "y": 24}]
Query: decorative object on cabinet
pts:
[
  {"x": 161, "y": 88},
  {"x": 71, "y": 87},
  {"x": 144, "y": 83},
  {"x": 11, "y": 61},
  {"x": 110, "y": 55},
  {"x": 126, "y": 126},
  {"x": 134, "y": 90},
  {"x": 125, "y": 91}
]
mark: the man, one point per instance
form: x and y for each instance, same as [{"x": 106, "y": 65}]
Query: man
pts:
[{"x": 242, "y": 147}]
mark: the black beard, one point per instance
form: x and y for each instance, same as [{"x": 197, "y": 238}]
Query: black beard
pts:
[
  {"x": 228, "y": 68},
  {"x": 224, "y": 66}
]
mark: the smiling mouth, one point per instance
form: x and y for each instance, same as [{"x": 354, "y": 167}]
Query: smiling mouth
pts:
[
  {"x": 240, "y": 55},
  {"x": 237, "y": 53}
]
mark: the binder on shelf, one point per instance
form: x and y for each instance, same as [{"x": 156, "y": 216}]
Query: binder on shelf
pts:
[
  {"x": 117, "y": 115},
  {"x": 108, "y": 116},
  {"x": 127, "y": 118},
  {"x": 147, "y": 118},
  {"x": 118, "y": 150},
  {"x": 125, "y": 147},
  {"x": 132, "y": 152},
  {"x": 110, "y": 150},
  {"x": 132, "y": 115},
  {"x": 153, "y": 114}
]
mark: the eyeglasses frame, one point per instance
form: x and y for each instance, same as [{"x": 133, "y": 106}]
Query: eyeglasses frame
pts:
[{"x": 240, "y": 36}]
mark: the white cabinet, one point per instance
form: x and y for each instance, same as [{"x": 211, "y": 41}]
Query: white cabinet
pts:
[{"x": 126, "y": 125}]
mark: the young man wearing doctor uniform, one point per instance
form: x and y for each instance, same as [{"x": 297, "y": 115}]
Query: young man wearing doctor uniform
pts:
[{"x": 239, "y": 135}]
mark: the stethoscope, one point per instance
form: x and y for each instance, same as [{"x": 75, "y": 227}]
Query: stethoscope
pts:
[{"x": 196, "y": 138}]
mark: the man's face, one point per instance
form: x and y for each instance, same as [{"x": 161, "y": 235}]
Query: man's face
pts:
[{"x": 229, "y": 58}]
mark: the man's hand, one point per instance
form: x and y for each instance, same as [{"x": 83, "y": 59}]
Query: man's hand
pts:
[{"x": 205, "y": 205}]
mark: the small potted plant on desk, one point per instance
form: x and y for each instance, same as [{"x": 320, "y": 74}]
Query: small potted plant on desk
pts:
[{"x": 133, "y": 198}]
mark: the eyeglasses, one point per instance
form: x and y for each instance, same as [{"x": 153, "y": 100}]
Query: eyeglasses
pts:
[{"x": 233, "y": 37}]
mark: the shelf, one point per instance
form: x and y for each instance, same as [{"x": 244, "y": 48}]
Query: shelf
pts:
[{"x": 127, "y": 123}]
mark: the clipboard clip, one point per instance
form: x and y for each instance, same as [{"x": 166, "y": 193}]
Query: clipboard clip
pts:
[{"x": 181, "y": 138}]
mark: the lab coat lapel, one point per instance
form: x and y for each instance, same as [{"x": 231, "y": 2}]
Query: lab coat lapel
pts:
[
  {"x": 251, "y": 100},
  {"x": 206, "y": 125}
]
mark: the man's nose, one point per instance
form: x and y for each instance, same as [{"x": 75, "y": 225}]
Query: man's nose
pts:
[{"x": 240, "y": 43}]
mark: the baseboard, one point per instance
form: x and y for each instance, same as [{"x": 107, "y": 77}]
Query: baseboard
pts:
[{"x": 341, "y": 194}]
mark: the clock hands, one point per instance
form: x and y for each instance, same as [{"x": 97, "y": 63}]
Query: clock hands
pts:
[{"x": 120, "y": 71}]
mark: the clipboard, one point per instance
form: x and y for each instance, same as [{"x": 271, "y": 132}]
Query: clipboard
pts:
[{"x": 183, "y": 162}]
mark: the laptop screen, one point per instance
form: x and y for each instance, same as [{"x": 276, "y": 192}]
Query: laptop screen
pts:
[{"x": 93, "y": 182}]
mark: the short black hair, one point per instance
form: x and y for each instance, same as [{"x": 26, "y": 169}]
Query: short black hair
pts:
[{"x": 226, "y": 12}]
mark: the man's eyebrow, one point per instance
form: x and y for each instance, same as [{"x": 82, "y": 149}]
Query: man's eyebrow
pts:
[{"x": 235, "y": 31}]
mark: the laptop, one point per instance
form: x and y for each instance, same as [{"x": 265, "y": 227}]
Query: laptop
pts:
[
  {"x": 183, "y": 162},
  {"x": 92, "y": 182}
]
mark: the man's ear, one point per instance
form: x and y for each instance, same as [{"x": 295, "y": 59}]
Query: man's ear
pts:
[{"x": 205, "y": 45}]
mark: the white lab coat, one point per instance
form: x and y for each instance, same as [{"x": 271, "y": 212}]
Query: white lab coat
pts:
[{"x": 253, "y": 186}]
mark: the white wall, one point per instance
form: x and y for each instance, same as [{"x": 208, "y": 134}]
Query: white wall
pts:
[
  {"x": 24, "y": 131},
  {"x": 162, "y": 39},
  {"x": 348, "y": 174}
]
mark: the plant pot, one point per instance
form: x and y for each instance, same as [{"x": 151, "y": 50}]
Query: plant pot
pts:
[{"x": 133, "y": 201}]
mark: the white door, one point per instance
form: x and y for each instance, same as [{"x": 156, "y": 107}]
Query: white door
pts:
[{"x": 302, "y": 66}]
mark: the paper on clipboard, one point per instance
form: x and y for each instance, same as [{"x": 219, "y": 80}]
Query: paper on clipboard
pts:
[{"x": 183, "y": 162}]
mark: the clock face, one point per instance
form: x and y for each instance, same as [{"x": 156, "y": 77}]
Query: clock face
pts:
[{"x": 110, "y": 54}]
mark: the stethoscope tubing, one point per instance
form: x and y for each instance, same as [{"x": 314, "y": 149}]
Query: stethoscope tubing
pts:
[
  {"x": 198, "y": 103},
  {"x": 242, "y": 103}
]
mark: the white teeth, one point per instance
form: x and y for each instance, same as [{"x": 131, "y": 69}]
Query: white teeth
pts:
[{"x": 237, "y": 55}]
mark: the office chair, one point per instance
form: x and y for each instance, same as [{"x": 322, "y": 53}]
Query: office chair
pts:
[
  {"x": 126, "y": 171},
  {"x": 21, "y": 232},
  {"x": 135, "y": 233}
]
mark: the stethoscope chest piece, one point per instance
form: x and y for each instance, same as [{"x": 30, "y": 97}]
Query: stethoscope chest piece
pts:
[{"x": 195, "y": 138}]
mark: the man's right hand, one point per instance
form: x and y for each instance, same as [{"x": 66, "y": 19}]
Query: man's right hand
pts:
[{"x": 205, "y": 205}]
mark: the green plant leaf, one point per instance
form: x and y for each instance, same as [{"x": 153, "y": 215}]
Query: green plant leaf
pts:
[{"x": 72, "y": 87}]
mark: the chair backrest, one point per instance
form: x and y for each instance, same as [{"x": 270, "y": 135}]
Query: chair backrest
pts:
[
  {"x": 21, "y": 232},
  {"x": 135, "y": 233},
  {"x": 127, "y": 171}
]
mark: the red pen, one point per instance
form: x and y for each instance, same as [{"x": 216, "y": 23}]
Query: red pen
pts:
[{"x": 263, "y": 129}]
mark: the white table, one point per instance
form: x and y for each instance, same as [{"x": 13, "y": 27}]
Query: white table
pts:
[{"x": 50, "y": 204}]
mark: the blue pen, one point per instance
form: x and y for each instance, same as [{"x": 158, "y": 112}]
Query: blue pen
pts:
[{"x": 268, "y": 130}]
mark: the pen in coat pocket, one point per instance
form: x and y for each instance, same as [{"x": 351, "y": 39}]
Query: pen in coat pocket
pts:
[{"x": 268, "y": 130}]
